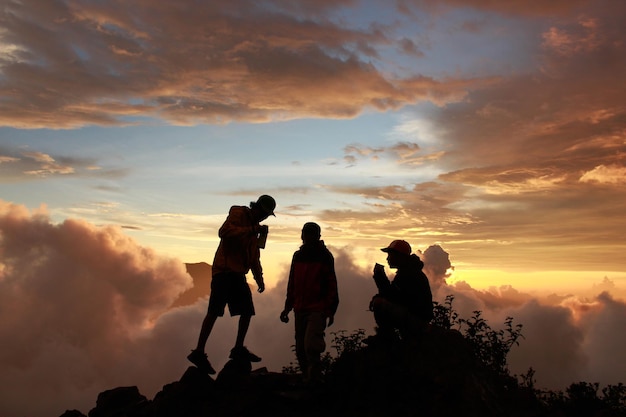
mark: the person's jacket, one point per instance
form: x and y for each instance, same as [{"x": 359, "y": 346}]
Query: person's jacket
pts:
[
  {"x": 410, "y": 288},
  {"x": 238, "y": 250},
  {"x": 312, "y": 285}
]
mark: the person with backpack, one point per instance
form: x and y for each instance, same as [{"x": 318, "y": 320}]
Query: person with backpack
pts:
[
  {"x": 241, "y": 237},
  {"x": 312, "y": 294},
  {"x": 406, "y": 302}
]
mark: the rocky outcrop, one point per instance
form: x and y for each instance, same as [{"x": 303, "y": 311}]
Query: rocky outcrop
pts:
[{"x": 436, "y": 377}]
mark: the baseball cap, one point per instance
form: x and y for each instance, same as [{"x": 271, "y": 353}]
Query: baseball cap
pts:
[
  {"x": 400, "y": 246},
  {"x": 267, "y": 204}
]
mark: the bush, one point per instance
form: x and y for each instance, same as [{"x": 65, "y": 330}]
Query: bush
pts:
[
  {"x": 341, "y": 342},
  {"x": 582, "y": 399},
  {"x": 489, "y": 346}
]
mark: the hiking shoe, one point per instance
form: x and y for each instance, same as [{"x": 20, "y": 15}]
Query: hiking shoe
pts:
[
  {"x": 242, "y": 352},
  {"x": 201, "y": 361}
]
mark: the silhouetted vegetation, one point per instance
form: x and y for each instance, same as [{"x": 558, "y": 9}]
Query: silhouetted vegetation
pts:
[
  {"x": 342, "y": 341},
  {"x": 458, "y": 368},
  {"x": 489, "y": 348}
]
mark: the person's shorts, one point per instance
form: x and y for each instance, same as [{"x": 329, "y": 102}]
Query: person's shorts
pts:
[{"x": 232, "y": 289}]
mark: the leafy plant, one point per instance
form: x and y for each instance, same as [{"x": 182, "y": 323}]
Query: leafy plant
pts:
[
  {"x": 444, "y": 315},
  {"x": 582, "y": 399},
  {"x": 489, "y": 346},
  {"x": 341, "y": 342},
  {"x": 614, "y": 397}
]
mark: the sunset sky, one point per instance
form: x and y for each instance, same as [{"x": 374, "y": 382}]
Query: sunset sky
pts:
[{"x": 492, "y": 134}]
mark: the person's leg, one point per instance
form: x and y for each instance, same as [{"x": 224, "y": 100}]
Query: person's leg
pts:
[
  {"x": 412, "y": 328},
  {"x": 300, "y": 324},
  {"x": 315, "y": 345},
  {"x": 240, "y": 351},
  {"x": 386, "y": 319},
  {"x": 240, "y": 304},
  {"x": 197, "y": 356},
  {"x": 242, "y": 330},
  {"x": 217, "y": 303},
  {"x": 205, "y": 330}
]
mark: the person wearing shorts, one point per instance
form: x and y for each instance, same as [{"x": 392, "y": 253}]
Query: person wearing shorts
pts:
[
  {"x": 237, "y": 254},
  {"x": 230, "y": 289}
]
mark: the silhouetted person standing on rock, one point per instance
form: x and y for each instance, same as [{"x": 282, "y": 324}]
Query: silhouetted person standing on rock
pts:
[
  {"x": 241, "y": 235},
  {"x": 405, "y": 303},
  {"x": 312, "y": 294}
]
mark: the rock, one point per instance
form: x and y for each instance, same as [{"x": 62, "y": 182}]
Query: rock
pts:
[
  {"x": 119, "y": 402},
  {"x": 437, "y": 376},
  {"x": 72, "y": 413}
]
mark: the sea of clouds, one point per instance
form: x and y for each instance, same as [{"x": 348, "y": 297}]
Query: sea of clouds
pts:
[{"x": 85, "y": 308}]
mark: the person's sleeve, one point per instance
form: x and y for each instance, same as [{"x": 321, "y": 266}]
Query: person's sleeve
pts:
[
  {"x": 255, "y": 259},
  {"x": 236, "y": 225},
  {"x": 385, "y": 288},
  {"x": 332, "y": 297},
  {"x": 289, "y": 299}
]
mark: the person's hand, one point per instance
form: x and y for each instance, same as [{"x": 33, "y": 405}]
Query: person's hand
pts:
[
  {"x": 284, "y": 316},
  {"x": 263, "y": 229},
  {"x": 379, "y": 269},
  {"x": 373, "y": 302},
  {"x": 261, "y": 285},
  {"x": 331, "y": 320}
]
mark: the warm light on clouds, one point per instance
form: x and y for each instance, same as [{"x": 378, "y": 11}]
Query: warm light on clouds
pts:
[
  {"x": 612, "y": 174},
  {"x": 273, "y": 66},
  {"x": 490, "y": 135},
  {"x": 72, "y": 293},
  {"x": 568, "y": 43},
  {"x": 107, "y": 319}
]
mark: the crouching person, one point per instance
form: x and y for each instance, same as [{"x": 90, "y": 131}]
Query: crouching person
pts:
[{"x": 406, "y": 302}]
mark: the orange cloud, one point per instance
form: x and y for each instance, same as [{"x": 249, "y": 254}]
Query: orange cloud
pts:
[
  {"x": 612, "y": 174},
  {"x": 514, "y": 7},
  {"x": 188, "y": 64},
  {"x": 75, "y": 300},
  {"x": 84, "y": 309},
  {"x": 20, "y": 165}
]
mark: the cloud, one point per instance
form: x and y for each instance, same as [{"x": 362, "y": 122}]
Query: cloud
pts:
[
  {"x": 605, "y": 338},
  {"x": 436, "y": 265},
  {"x": 90, "y": 63},
  {"x": 27, "y": 165},
  {"x": 517, "y": 7},
  {"x": 552, "y": 345},
  {"x": 612, "y": 174},
  {"x": 567, "y": 43},
  {"x": 529, "y": 166},
  {"x": 75, "y": 303},
  {"x": 402, "y": 153},
  {"x": 85, "y": 308}
]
